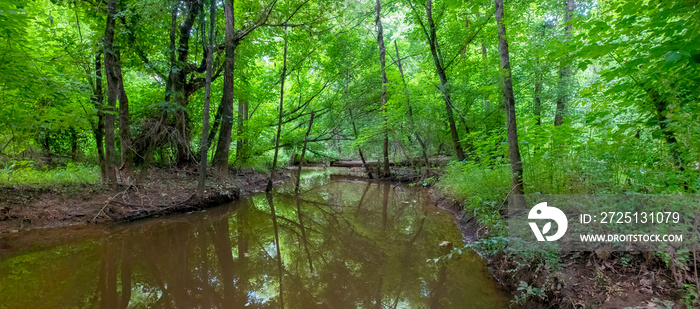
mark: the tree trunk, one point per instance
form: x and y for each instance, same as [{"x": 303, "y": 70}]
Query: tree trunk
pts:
[
  {"x": 536, "y": 101},
  {"x": 97, "y": 99},
  {"x": 513, "y": 148},
  {"x": 382, "y": 61},
  {"x": 74, "y": 150},
  {"x": 279, "y": 123},
  {"x": 564, "y": 70},
  {"x": 241, "y": 140},
  {"x": 204, "y": 144},
  {"x": 116, "y": 91},
  {"x": 537, "y": 97},
  {"x": 410, "y": 110},
  {"x": 303, "y": 151},
  {"x": 182, "y": 120},
  {"x": 124, "y": 127},
  {"x": 112, "y": 94},
  {"x": 215, "y": 126},
  {"x": 220, "y": 161},
  {"x": 435, "y": 51},
  {"x": 487, "y": 104}
]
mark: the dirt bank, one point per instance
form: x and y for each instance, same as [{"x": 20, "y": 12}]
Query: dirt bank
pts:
[
  {"x": 582, "y": 279},
  {"x": 162, "y": 192}
]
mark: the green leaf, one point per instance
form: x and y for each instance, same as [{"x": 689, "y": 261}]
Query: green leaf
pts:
[
  {"x": 672, "y": 56},
  {"x": 454, "y": 3},
  {"x": 475, "y": 9},
  {"x": 583, "y": 65}
]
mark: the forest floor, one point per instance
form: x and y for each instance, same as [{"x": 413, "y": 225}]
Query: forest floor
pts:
[
  {"x": 162, "y": 192},
  {"x": 632, "y": 280}
]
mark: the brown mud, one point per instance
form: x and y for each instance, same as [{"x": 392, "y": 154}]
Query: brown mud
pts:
[{"x": 162, "y": 192}]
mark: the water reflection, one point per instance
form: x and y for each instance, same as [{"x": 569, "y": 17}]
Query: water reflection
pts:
[{"x": 343, "y": 244}]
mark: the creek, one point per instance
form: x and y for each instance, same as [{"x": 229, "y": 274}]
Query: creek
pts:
[{"x": 343, "y": 242}]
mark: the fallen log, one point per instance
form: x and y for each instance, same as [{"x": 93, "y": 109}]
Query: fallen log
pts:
[
  {"x": 351, "y": 163},
  {"x": 355, "y": 163}
]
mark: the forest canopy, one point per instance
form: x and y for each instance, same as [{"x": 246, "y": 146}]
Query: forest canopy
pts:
[{"x": 605, "y": 92}]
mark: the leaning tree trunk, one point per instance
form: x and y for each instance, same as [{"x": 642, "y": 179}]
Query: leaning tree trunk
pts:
[
  {"x": 434, "y": 50},
  {"x": 564, "y": 71},
  {"x": 112, "y": 94},
  {"x": 220, "y": 160},
  {"x": 513, "y": 148},
  {"x": 279, "y": 123},
  {"x": 382, "y": 61},
  {"x": 204, "y": 144}
]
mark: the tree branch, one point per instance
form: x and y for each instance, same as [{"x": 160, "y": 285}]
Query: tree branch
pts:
[
  {"x": 262, "y": 19},
  {"x": 420, "y": 21},
  {"x": 464, "y": 46},
  {"x": 307, "y": 101},
  {"x": 139, "y": 52}
]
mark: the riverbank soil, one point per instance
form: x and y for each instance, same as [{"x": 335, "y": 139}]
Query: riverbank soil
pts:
[
  {"x": 581, "y": 279},
  {"x": 592, "y": 280},
  {"x": 162, "y": 192}
]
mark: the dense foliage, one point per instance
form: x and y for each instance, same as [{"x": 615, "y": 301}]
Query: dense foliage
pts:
[
  {"x": 603, "y": 93},
  {"x": 623, "y": 75}
]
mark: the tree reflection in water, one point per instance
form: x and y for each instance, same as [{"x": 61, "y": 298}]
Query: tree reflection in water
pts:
[{"x": 344, "y": 244}]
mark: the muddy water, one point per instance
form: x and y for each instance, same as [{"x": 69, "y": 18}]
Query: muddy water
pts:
[{"x": 343, "y": 243}]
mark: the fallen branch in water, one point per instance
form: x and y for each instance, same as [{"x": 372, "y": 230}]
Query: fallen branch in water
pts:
[{"x": 107, "y": 203}]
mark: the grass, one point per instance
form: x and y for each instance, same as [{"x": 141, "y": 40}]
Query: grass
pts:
[
  {"x": 23, "y": 173},
  {"x": 482, "y": 189}
]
